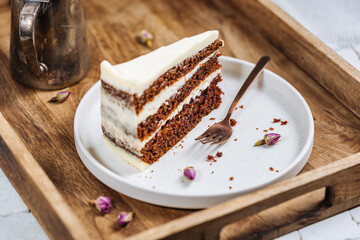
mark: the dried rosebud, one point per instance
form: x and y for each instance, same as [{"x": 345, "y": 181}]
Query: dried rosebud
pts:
[
  {"x": 124, "y": 218},
  {"x": 269, "y": 139},
  {"x": 61, "y": 96},
  {"x": 102, "y": 203},
  {"x": 190, "y": 173},
  {"x": 145, "y": 38}
]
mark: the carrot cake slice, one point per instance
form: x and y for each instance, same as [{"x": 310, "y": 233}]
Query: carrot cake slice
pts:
[{"x": 151, "y": 102}]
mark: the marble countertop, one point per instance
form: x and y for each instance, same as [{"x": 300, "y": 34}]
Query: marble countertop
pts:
[{"x": 334, "y": 22}]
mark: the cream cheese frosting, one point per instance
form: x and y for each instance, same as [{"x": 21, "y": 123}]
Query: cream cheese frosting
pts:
[{"x": 138, "y": 74}]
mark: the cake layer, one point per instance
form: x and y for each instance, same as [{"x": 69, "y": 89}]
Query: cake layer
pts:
[
  {"x": 128, "y": 142},
  {"x": 176, "y": 73},
  {"x": 112, "y": 124},
  {"x": 115, "y": 111},
  {"x": 178, "y": 126},
  {"x": 153, "y": 106},
  {"x": 128, "y": 77},
  {"x": 172, "y": 131},
  {"x": 126, "y": 99},
  {"x": 129, "y": 117},
  {"x": 147, "y": 127},
  {"x": 172, "y": 75}
]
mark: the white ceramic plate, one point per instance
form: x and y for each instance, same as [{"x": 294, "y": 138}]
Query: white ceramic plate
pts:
[{"x": 163, "y": 182}]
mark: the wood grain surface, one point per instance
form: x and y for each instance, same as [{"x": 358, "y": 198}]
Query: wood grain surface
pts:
[
  {"x": 59, "y": 219},
  {"x": 46, "y": 130},
  {"x": 329, "y": 69}
]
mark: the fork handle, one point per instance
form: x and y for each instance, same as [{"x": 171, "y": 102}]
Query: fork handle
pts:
[{"x": 259, "y": 67}]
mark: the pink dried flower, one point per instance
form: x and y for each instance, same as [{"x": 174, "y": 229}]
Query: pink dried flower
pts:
[
  {"x": 145, "y": 38},
  {"x": 124, "y": 218},
  {"x": 61, "y": 96},
  {"x": 102, "y": 203},
  {"x": 269, "y": 139},
  {"x": 190, "y": 173}
]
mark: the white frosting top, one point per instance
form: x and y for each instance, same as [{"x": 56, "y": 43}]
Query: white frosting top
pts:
[{"x": 138, "y": 74}]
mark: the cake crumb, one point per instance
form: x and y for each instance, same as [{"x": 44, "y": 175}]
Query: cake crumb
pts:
[
  {"x": 211, "y": 158},
  {"x": 257, "y": 128},
  {"x": 277, "y": 170},
  {"x": 219, "y": 154},
  {"x": 232, "y": 122},
  {"x": 276, "y": 120},
  {"x": 212, "y": 172},
  {"x": 235, "y": 139},
  {"x": 152, "y": 171},
  {"x": 236, "y": 108},
  {"x": 212, "y": 119},
  {"x": 230, "y": 187},
  {"x": 265, "y": 130},
  {"x": 271, "y": 168},
  {"x": 231, "y": 178},
  {"x": 283, "y": 122},
  {"x": 271, "y": 129},
  {"x": 241, "y": 106},
  {"x": 153, "y": 186}
]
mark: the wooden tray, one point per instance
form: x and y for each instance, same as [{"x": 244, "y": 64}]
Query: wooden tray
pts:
[{"x": 37, "y": 148}]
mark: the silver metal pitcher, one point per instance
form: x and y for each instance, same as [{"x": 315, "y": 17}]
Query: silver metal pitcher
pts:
[{"x": 48, "y": 45}]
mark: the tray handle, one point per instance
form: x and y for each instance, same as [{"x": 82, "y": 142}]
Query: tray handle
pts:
[{"x": 341, "y": 180}]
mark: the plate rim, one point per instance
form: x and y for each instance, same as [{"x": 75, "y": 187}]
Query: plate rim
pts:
[{"x": 306, "y": 149}]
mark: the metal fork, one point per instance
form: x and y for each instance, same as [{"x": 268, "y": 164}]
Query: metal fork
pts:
[{"x": 220, "y": 132}]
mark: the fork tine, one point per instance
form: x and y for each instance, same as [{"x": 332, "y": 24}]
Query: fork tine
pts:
[
  {"x": 209, "y": 139},
  {"x": 220, "y": 141},
  {"x": 217, "y": 138},
  {"x": 199, "y": 138},
  {"x": 207, "y": 133}
]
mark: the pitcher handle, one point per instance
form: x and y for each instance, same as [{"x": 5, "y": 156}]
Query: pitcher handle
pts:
[{"x": 29, "y": 13}]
